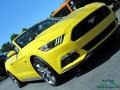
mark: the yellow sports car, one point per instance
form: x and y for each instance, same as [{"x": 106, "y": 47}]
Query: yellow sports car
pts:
[{"x": 54, "y": 46}]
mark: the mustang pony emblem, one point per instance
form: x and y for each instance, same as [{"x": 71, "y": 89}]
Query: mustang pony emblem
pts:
[{"x": 91, "y": 20}]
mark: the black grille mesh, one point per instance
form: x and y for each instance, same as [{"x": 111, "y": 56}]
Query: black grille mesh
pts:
[
  {"x": 100, "y": 37},
  {"x": 88, "y": 23}
]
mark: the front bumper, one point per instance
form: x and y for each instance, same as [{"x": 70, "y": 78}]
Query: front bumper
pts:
[{"x": 89, "y": 53}]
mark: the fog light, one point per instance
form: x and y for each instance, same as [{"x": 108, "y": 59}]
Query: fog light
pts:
[{"x": 69, "y": 58}]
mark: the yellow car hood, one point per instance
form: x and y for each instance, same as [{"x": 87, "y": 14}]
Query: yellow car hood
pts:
[{"x": 61, "y": 27}]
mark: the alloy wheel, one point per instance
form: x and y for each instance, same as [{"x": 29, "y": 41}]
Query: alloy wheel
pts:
[{"x": 45, "y": 72}]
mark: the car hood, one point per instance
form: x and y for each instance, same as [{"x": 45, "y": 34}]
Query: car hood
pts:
[
  {"x": 55, "y": 31},
  {"x": 59, "y": 28}
]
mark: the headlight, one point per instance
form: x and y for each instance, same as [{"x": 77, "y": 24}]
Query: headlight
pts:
[{"x": 52, "y": 44}]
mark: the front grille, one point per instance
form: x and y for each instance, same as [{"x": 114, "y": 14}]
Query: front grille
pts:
[
  {"x": 100, "y": 36},
  {"x": 89, "y": 22}
]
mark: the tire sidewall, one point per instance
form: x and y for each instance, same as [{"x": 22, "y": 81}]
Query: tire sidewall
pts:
[{"x": 57, "y": 77}]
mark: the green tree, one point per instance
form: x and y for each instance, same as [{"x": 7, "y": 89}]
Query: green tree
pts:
[
  {"x": 51, "y": 14},
  {"x": 24, "y": 29},
  {"x": 6, "y": 47}
]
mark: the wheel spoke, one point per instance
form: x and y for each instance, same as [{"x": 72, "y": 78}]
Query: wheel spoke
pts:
[
  {"x": 49, "y": 77},
  {"x": 45, "y": 72}
]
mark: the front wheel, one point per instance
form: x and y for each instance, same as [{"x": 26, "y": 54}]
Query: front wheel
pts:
[{"x": 45, "y": 71}]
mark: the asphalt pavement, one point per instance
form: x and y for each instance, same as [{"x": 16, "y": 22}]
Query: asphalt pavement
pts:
[{"x": 100, "y": 72}]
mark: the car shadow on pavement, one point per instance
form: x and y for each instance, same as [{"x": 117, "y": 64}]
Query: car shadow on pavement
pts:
[
  {"x": 100, "y": 56},
  {"x": 37, "y": 81}
]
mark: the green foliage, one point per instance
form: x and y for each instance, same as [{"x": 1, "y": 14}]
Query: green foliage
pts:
[
  {"x": 6, "y": 47},
  {"x": 24, "y": 29},
  {"x": 51, "y": 14}
]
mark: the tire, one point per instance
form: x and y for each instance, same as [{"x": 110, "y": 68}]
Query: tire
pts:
[
  {"x": 45, "y": 71},
  {"x": 17, "y": 82}
]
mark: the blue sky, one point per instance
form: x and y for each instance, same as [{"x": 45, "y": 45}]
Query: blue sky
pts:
[{"x": 18, "y": 14}]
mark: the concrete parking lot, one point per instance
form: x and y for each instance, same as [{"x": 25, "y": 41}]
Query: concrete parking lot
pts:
[{"x": 100, "y": 72}]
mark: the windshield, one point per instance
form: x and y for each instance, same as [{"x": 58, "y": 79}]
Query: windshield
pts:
[{"x": 32, "y": 32}]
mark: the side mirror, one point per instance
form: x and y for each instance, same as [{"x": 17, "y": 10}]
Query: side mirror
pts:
[{"x": 11, "y": 53}]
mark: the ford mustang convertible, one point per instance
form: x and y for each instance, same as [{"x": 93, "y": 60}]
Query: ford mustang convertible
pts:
[{"x": 54, "y": 46}]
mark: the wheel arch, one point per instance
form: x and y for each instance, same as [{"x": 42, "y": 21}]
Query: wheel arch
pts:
[{"x": 32, "y": 58}]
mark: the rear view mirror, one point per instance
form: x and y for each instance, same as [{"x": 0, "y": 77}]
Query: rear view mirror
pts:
[{"x": 11, "y": 53}]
